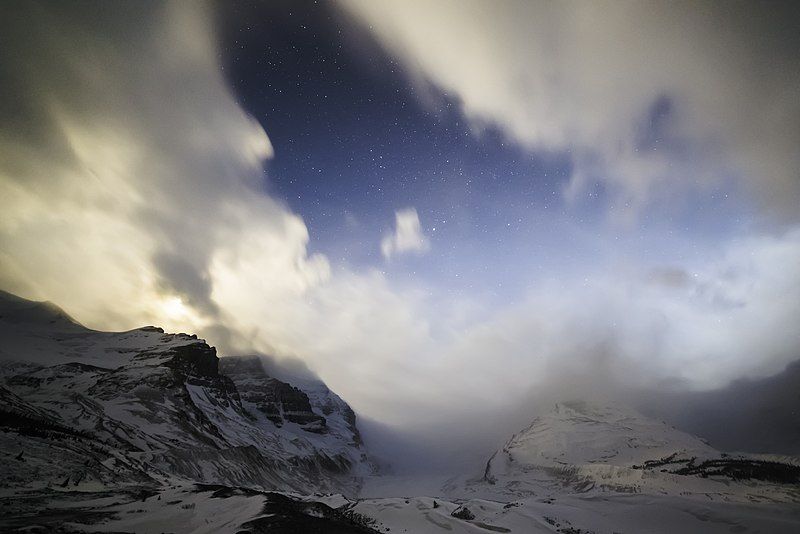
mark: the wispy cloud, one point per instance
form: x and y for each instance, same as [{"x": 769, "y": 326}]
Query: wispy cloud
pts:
[
  {"x": 654, "y": 99},
  {"x": 407, "y": 235}
]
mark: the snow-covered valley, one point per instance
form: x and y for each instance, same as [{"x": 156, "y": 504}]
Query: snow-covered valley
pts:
[{"x": 145, "y": 431}]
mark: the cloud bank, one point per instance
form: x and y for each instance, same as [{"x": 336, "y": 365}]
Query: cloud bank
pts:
[{"x": 652, "y": 99}]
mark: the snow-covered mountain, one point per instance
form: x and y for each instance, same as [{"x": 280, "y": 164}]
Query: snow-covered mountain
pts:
[
  {"x": 576, "y": 433},
  {"x": 83, "y": 409},
  {"x": 584, "y": 447}
]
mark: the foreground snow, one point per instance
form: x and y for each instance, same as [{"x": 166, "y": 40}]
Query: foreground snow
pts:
[
  {"x": 600, "y": 514},
  {"x": 201, "y": 509}
]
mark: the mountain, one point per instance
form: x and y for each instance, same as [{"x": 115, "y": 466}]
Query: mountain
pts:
[
  {"x": 587, "y": 447},
  {"x": 576, "y": 433},
  {"x": 88, "y": 410},
  {"x": 313, "y": 418}
]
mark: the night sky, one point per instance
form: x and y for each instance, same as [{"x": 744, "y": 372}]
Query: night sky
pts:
[
  {"x": 354, "y": 142},
  {"x": 432, "y": 205}
]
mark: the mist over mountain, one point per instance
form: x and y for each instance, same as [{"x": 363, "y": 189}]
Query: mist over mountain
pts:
[
  {"x": 753, "y": 415},
  {"x": 747, "y": 415}
]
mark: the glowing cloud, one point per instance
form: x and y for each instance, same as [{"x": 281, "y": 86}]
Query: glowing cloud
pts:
[{"x": 133, "y": 183}]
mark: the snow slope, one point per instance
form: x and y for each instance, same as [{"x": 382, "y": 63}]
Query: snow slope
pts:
[
  {"x": 578, "y": 433},
  {"x": 578, "y": 514},
  {"x": 579, "y": 447}
]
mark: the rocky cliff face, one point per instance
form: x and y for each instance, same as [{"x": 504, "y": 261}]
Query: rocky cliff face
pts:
[
  {"x": 279, "y": 401},
  {"x": 84, "y": 408}
]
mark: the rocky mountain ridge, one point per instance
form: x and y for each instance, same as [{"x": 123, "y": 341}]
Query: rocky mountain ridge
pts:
[{"x": 87, "y": 409}]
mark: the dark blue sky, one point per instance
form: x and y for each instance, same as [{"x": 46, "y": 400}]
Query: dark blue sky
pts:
[{"x": 353, "y": 140}]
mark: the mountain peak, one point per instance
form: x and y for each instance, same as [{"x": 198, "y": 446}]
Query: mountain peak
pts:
[
  {"x": 17, "y": 310},
  {"x": 579, "y": 432}
]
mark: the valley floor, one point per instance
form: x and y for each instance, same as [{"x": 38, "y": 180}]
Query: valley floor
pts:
[{"x": 220, "y": 509}]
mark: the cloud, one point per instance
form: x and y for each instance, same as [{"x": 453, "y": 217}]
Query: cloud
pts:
[
  {"x": 132, "y": 192},
  {"x": 407, "y": 237},
  {"x": 596, "y": 332},
  {"x": 655, "y": 100},
  {"x": 670, "y": 277},
  {"x": 130, "y": 179}
]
